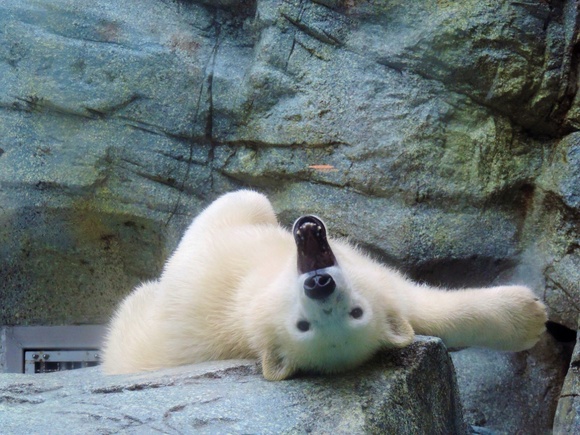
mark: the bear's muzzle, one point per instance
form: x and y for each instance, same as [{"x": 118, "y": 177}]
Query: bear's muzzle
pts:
[{"x": 314, "y": 254}]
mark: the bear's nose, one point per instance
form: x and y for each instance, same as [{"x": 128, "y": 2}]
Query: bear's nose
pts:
[{"x": 319, "y": 286}]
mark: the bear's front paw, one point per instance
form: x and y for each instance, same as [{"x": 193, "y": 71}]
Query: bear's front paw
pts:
[
  {"x": 536, "y": 324},
  {"x": 528, "y": 318}
]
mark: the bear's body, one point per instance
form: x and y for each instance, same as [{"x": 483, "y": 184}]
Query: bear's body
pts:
[{"x": 240, "y": 286}]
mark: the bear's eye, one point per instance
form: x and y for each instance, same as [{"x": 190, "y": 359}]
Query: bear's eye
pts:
[
  {"x": 356, "y": 313},
  {"x": 303, "y": 325}
]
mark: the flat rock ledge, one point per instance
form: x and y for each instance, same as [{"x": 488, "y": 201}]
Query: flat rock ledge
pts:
[{"x": 407, "y": 391}]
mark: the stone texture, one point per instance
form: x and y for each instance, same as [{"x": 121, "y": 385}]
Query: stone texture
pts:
[
  {"x": 567, "y": 419},
  {"x": 153, "y": 109},
  {"x": 406, "y": 391},
  {"x": 557, "y": 216},
  {"x": 512, "y": 393},
  {"x": 450, "y": 131}
]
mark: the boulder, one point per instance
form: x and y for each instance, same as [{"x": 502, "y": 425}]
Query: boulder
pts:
[
  {"x": 510, "y": 393},
  {"x": 567, "y": 419},
  {"x": 406, "y": 391}
]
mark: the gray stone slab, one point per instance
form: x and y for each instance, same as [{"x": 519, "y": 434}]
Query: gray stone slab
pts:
[{"x": 408, "y": 391}]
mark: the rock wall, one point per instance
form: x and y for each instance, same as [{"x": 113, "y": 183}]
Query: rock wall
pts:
[
  {"x": 439, "y": 135},
  {"x": 447, "y": 126}
]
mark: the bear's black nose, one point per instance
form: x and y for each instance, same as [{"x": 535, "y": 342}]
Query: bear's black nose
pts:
[{"x": 319, "y": 286}]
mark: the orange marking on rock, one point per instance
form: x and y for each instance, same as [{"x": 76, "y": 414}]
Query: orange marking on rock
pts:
[{"x": 323, "y": 168}]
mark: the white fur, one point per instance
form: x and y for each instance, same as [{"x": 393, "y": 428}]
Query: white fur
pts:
[{"x": 232, "y": 290}]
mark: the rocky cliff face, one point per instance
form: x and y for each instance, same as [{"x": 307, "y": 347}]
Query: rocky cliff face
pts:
[{"x": 439, "y": 135}]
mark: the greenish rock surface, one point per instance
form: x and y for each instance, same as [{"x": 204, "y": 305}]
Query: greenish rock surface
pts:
[
  {"x": 135, "y": 117},
  {"x": 406, "y": 391},
  {"x": 441, "y": 136},
  {"x": 556, "y": 225}
]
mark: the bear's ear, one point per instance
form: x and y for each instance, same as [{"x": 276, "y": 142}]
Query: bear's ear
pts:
[
  {"x": 274, "y": 367},
  {"x": 398, "y": 332}
]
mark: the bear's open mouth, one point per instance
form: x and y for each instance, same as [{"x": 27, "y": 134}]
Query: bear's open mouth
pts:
[{"x": 313, "y": 249}]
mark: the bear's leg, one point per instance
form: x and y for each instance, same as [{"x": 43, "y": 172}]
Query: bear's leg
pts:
[
  {"x": 239, "y": 208},
  {"x": 243, "y": 207},
  {"x": 132, "y": 343},
  {"x": 504, "y": 318}
]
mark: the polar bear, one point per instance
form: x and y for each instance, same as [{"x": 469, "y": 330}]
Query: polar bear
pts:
[{"x": 240, "y": 286}]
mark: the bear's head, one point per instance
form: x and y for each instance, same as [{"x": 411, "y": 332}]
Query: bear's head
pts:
[{"x": 337, "y": 312}]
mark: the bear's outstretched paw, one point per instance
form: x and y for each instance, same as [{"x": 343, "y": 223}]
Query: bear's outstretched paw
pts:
[
  {"x": 537, "y": 323},
  {"x": 529, "y": 319}
]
